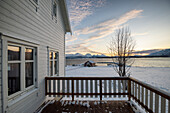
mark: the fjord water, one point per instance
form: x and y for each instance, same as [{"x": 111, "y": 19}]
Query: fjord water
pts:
[{"x": 138, "y": 62}]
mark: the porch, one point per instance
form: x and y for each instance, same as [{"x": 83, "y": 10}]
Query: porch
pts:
[{"x": 111, "y": 89}]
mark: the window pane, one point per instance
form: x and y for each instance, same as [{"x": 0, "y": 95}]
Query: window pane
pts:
[
  {"x": 55, "y": 67},
  {"x": 29, "y": 74},
  {"x": 28, "y": 54},
  {"x": 13, "y": 53},
  {"x": 55, "y": 55},
  {"x": 51, "y": 55},
  {"x": 55, "y": 9},
  {"x": 51, "y": 70},
  {"x": 13, "y": 78}
]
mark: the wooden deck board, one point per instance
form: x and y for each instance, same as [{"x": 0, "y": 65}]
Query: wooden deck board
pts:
[{"x": 109, "y": 107}]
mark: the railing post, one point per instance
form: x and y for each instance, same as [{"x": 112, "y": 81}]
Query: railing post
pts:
[
  {"x": 100, "y": 90},
  {"x": 129, "y": 89},
  {"x": 72, "y": 90},
  {"x": 45, "y": 86}
]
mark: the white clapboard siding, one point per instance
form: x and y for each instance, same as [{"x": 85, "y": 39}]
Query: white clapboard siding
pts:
[{"x": 19, "y": 19}]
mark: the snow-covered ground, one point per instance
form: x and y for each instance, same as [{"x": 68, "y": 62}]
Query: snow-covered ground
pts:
[{"x": 156, "y": 76}]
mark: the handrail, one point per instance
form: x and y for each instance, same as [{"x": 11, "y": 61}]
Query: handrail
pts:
[
  {"x": 152, "y": 88},
  {"x": 129, "y": 86}
]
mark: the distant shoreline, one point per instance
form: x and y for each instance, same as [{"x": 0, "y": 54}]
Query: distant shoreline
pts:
[{"x": 79, "y": 57}]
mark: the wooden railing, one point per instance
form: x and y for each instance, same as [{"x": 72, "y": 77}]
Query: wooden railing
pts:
[{"x": 109, "y": 87}]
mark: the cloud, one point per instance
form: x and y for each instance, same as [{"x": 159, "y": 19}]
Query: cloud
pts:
[
  {"x": 80, "y": 9},
  {"x": 79, "y": 48},
  {"x": 139, "y": 34},
  {"x": 106, "y": 28}
]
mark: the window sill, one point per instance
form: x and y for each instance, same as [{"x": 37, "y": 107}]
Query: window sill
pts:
[{"x": 21, "y": 96}]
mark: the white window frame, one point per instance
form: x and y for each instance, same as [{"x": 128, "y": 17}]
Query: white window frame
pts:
[
  {"x": 53, "y": 60},
  {"x": 56, "y": 11},
  {"x": 23, "y": 89}
]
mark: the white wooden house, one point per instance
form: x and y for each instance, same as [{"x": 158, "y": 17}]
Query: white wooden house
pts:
[{"x": 32, "y": 46}]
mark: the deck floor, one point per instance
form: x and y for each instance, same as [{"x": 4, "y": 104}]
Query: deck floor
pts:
[{"x": 95, "y": 107}]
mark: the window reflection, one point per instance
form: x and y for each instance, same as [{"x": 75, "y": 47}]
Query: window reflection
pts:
[
  {"x": 13, "y": 78},
  {"x": 55, "y": 67},
  {"x": 51, "y": 70},
  {"x": 28, "y": 74},
  {"x": 51, "y": 55},
  {"x": 13, "y": 53},
  {"x": 28, "y": 54}
]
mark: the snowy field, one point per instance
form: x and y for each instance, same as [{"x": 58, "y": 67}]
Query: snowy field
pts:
[{"x": 156, "y": 76}]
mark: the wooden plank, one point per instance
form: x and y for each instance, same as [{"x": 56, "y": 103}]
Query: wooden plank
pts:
[
  {"x": 54, "y": 87},
  {"x": 163, "y": 105},
  {"x": 146, "y": 97},
  {"x": 139, "y": 92},
  {"x": 133, "y": 90},
  {"x": 96, "y": 88},
  {"x": 114, "y": 87},
  {"x": 87, "y": 78},
  {"x": 129, "y": 89},
  {"x": 100, "y": 90},
  {"x": 77, "y": 87},
  {"x": 136, "y": 90},
  {"x": 168, "y": 106},
  {"x": 110, "y": 87},
  {"x": 72, "y": 90},
  {"x": 151, "y": 100},
  {"x": 105, "y": 87},
  {"x": 156, "y": 103},
  {"x": 58, "y": 84},
  {"x": 119, "y": 88},
  {"x": 124, "y": 87},
  {"x": 82, "y": 87},
  {"x": 68, "y": 87},
  {"x": 91, "y": 87},
  {"x": 49, "y": 87},
  {"x": 87, "y": 87},
  {"x": 63, "y": 86},
  {"x": 142, "y": 94}
]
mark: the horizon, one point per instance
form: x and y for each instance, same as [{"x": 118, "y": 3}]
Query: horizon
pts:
[{"x": 92, "y": 27}]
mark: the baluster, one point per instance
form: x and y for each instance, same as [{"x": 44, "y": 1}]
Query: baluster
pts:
[
  {"x": 50, "y": 87},
  {"x": 105, "y": 88},
  {"x": 151, "y": 100},
  {"x": 63, "y": 86},
  {"x": 124, "y": 87},
  {"x": 168, "y": 106},
  {"x": 46, "y": 87},
  {"x": 163, "y": 105},
  {"x": 110, "y": 82},
  {"x": 146, "y": 97},
  {"x": 77, "y": 87},
  {"x": 119, "y": 88},
  {"x": 135, "y": 89},
  {"x": 54, "y": 87},
  {"x": 156, "y": 103},
  {"x": 139, "y": 92},
  {"x": 58, "y": 87},
  {"x": 68, "y": 87},
  {"x": 142, "y": 94},
  {"x": 114, "y": 84},
  {"x": 91, "y": 87},
  {"x": 86, "y": 87},
  {"x": 82, "y": 88},
  {"x": 96, "y": 88}
]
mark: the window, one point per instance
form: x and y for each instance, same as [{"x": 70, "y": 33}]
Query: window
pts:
[
  {"x": 21, "y": 68},
  {"x": 53, "y": 63}
]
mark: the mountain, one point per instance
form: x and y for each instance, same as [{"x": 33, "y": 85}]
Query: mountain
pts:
[{"x": 165, "y": 52}]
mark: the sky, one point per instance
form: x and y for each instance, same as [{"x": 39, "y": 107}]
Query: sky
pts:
[{"x": 94, "y": 22}]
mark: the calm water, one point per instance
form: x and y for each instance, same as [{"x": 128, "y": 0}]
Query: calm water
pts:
[{"x": 139, "y": 62}]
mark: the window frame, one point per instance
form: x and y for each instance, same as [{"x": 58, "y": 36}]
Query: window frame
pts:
[
  {"x": 53, "y": 61},
  {"x": 23, "y": 89}
]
